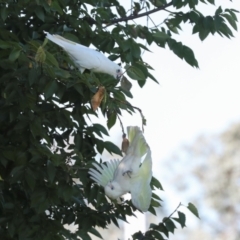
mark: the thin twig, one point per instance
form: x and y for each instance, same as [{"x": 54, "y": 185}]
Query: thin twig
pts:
[
  {"x": 166, "y": 218},
  {"x": 179, "y": 205},
  {"x": 152, "y": 21},
  {"x": 121, "y": 124},
  {"x": 137, "y": 108},
  {"x": 131, "y": 17}
]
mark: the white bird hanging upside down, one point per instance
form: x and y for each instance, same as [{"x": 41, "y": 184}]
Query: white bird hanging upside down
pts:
[
  {"x": 128, "y": 175},
  {"x": 87, "y": 58}
]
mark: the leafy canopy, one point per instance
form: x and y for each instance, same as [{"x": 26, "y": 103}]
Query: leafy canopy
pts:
[{"x": 45, "y": 141}]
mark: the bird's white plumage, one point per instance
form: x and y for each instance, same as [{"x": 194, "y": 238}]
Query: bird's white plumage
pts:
[
  {"x": 86, "y": 58},
  {"x": 142, "y": 199},
  {"x": 129, "y": 174},
  {"x": 99, "y": 177}
]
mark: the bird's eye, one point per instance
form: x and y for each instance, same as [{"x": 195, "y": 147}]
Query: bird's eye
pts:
[
  {"x": 112, "y": 188},
  {"x": 118, "y": 71}
]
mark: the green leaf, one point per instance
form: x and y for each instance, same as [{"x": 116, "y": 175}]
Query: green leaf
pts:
[
  {"x": 50, "y": 59},
  {"x": 155, "y": 234},
  {"x": 62, "y": 73},
  {"x": 112, "y": 148},
  {"x": 36, "y": 127},
  {"x": 112, "y": 117},
  {"x": 126, "y": 84},
  {"x": 181, "y": 219},
  {"x": 231, "y": 21},
  {"x": 193, "y": 209},
  {"x": 153, "y": 226},
  {"x": 10, "y": 155},
  {"x": 83, "y": 235},
  {"x": 40, "y": 13},
  {"x": 127, "y": 93},
  {"x": 45, "y": 42},
  {"x": 17, "y": 170},
  {"x": 152, "y": 210},
  {"x": 101, "y": 128},
  {"x": 100, "y": 146},
  {"x": 203, "y": 34},
  {"x": 211, "y": 1},
  {"x": 118, "y": 95},
  {"x": 8, "y": 205},
  {"x": 189, "y": 56},
  {"x": 79, "y": 88},
  {"x": 95, "y": 232},
  {"x": 156, "y": 196},
  {"x": 4, "y": 13},
  {"x": 155, "y": 203},
  {"x": 50, "y": 89},
  {"x": 152, "y": 77},
  {"x": 5, "y": 44},
  {"x": 135, "y": 50},
  {"x": 33, "y": 76},
  {"x": 218, "y": 11},
  {"x": 51, "y": 171},
  {"x": 169, "y": 225},
  {"x": 225, "y": 30},
  {"x": 161, "y": 227},
  {"x": 137, "y": 235},
  {"x": 114, "y": 220},
  {"x": 11, "y": 228},
  {"x": 176, "y": 47},
  {"x": 135, "y": 73},
  {"x": 40, "y": 55},
  {"x": 55, "y": 7},
  {"x": 30, "y": 178},
  {"x": 14, "y": 54},
  {"x": 193, "y": 16},
  {"x": 231, "y": 11},
  {"x": 218, "y": 21},
  {"x": 160, "y": 35},
  {"x": 71, "y": 37},
  {"x": 155, "y": 183}
]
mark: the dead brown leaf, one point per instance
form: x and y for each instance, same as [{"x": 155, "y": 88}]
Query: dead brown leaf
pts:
[{"x": 97, "y": 98}]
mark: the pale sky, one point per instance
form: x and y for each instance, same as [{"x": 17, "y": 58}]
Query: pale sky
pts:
[{"x": 188, "y": 101}]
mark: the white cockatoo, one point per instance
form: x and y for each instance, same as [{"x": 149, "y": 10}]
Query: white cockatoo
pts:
[
  {"x": 87, "y": 58},
  {"x": 132, "y": 174}
]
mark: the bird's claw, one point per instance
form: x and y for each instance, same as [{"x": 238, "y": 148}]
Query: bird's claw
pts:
[{"x": 129, "y": 172}]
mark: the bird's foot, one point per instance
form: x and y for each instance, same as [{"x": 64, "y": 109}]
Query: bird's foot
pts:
[{"x": 129, "y": 172}]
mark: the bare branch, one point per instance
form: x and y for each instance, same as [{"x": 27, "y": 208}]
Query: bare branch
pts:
[
  {"x": 131, "y": 17},
  {"x": 179, "y": 205},
  {"x": 121, "y": 123}
]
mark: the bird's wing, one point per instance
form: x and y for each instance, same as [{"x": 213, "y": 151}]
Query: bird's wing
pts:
[
  {"x": 103, "y": 173},
  {"x": 84, "y": 57},
  {"x": 141, "y": 196},
  {"x": 138, "y": 144},
  {"x": 141, "y": 191},
  {"x": 138, "y": 147}
]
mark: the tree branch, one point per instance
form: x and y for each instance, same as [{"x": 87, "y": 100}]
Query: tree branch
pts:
[
  {"x": 179, "y": 205},
  {"x": 121, "y": 123},
  {"x": 131, "y": 17},
  {"x": 139, "y": 110}
]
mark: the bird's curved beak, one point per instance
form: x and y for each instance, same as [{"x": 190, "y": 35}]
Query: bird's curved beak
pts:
[{"x": 119, "y": 74}]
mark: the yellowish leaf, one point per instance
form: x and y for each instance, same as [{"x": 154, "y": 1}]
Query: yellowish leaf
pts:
[
  {"x": 125, "y": 144},
  {"x": 97, "y": 98},
  {"x": 41, "y": 55}
]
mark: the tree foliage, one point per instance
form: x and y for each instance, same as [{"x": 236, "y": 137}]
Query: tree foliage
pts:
[{"x": 45, "y": 141}]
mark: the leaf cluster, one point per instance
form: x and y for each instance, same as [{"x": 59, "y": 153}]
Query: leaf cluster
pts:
[
  {"x": 46, "y": 143},
  {"x": 163, "y": 229}
]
